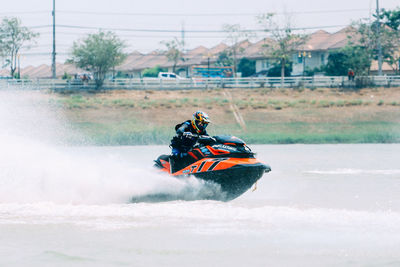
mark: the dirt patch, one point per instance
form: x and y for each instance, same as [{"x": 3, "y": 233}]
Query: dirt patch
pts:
[{"x": 164, "y": 107}]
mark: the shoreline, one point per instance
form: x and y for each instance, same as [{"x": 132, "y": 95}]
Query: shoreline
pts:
[{"x": 278, "y": 116}]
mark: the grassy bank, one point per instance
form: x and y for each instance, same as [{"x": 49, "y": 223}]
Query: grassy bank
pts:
[
  {"x": 270, "y": 116},
  {"x": 276, "y": 133}
]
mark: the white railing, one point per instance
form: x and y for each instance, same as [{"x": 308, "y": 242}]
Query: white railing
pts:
[{"x": 202, "y": 83}]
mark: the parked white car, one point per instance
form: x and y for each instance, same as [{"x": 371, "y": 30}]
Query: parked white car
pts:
[{"x": 168, "y": 76}]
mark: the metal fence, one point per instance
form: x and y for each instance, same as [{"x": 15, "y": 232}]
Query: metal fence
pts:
[{"x": 206, "y": 83}]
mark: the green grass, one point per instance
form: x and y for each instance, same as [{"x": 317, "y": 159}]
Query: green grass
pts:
[
  {"x": 313, "y": 133},
  {"x": 132, "y": 131},
  {"x": 124, "y": 133},
  {"x": 135, "y": 133}
]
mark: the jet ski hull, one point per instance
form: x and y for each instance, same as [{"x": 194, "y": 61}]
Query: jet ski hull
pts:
[
  {"x": 234, "y": 175},
  {"x": 225, "y": 161},
  {"x": 235, "y": 180}
]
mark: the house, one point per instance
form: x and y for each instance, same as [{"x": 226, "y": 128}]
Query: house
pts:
[
  {"x": 387, "y": 69},
  {"x": 193, "y": 57},
  {"x": 44, "y": 71},
  {"x": 314, "y": 53},
  {"x": 260, "y": 52},
  {"x": 136, "y": 62}
]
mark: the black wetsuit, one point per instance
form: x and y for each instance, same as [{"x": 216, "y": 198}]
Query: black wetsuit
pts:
[{"x": 180, "y": 143}]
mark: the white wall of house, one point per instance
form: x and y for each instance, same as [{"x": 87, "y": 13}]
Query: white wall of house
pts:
[
  {"x": 135, "y": 74},
  {"x": 263, "y": 64},
  {"x": 314, "y": 59}
]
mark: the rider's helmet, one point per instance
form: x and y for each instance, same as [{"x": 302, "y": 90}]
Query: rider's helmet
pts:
[{"x": 200, "y": 121}]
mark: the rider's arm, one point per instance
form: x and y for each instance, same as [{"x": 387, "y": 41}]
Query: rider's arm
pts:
[{"x": 182, "y": 129}]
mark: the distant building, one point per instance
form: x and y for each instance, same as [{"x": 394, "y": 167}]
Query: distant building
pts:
[
  {"x": 386, "y": 68},
  {"x": 313, "y": 54},
  {"x": 260, "y": 52},
  {"x": 43, "y": 71}
]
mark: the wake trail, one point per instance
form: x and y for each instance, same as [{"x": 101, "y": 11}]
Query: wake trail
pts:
[{"x": 37, "y": 166}]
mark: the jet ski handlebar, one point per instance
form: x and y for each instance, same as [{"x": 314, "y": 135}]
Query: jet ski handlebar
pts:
[{"x": 204, "y": 139}]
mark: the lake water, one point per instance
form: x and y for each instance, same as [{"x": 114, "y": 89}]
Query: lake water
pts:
[{"x": 321, "y": 205}]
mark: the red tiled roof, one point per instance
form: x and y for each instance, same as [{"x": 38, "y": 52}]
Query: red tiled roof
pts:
[
  {"x": 218, "y": 48},
  {"x": 4, "y": 72},
  {"x": 322, "y": 40},
  {"x": 197, "y": 51},
  {"x": 385, "y": 66},
  {"x": 258, "y": 50},
  {"x": 135, "y": 61}
]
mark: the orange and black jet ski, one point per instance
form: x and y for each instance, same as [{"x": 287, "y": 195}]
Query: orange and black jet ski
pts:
[{"x": 224, "y": 160}]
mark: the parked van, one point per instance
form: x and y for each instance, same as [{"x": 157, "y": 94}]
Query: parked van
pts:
[{"x": 168, "y": 76}]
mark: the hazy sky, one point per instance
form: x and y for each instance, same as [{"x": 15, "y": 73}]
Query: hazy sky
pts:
[{"x": 204, "y": 15}]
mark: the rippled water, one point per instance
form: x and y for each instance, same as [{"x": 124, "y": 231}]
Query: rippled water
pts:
[{"x": 322, "y": 205}]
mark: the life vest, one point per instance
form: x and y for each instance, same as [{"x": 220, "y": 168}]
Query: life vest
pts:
[{"x": 182, "y": 143}]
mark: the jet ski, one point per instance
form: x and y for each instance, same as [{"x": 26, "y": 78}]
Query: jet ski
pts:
[{"x": 223, "y": 160}]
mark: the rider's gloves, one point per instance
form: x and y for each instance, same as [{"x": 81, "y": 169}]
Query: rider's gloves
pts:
[{"x": 188, "y": 135}]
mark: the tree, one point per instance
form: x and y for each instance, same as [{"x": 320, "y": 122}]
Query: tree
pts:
[
  {"x": 174, "y": 52},
  {"x": 98, "y": 53},
  {"x": 353, "y": 57},
  {"x": 152, "y": 72},
  {"x": 276, "y": 70},
  {"x": 337, "y": 64},
  {"x": 247, "y": 67},
  {"x": 225, "y": 58},
  {"x": 235, "y": 33},
  {"x": 12, "y": 37},
  {"x": 284, "y": 41},
  {"x": 368, "y": 37},
  {"x": 391, "y": 19},
  {"x": 357, "y": 59}
]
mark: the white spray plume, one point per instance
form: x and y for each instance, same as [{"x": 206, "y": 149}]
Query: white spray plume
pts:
[{"x": 34, "y": 167}]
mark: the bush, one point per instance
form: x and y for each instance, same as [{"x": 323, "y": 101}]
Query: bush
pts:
[
  {"x": 66, "y": 76},
  {"x": 247, "y": 67},
  {"x": 275, "y": 71},
  {"x": 153, "y": 72}
]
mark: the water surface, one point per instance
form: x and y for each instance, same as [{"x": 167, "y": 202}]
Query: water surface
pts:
[{"x": 322, "y": 205}]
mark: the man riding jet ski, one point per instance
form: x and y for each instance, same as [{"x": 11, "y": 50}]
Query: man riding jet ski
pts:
[
  {"x": 187, "y": 133},
  {"x": 224, "y": 160}
]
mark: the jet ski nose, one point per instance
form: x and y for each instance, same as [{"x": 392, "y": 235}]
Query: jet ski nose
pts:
[{"x": 267, "y": 168}]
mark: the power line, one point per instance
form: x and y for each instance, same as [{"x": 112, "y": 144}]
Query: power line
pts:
[
  {"x": 136, "y": 36},
  {"x": 147, "y": 36},
  {"x": 134, "y": 30},
  {"x": 26, "y": 12},
  {"x": 178, "y": 31},
  {"x": 46, "y": 45},
  {"x": 42, "y": 54},
  {"x": 78, "y": 12},
  {"x": 40, "y": 26},
  {"x": 205, "y": 14}
]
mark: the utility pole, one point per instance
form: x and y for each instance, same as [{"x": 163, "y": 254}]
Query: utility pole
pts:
[
  {"x": 183, "y": 45},
  {"x": 378, "y": 29},
  {"x": 183, "y": 36},
  {"x": 53, "y": 61},
  {"x": 19, "y": 67}
]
